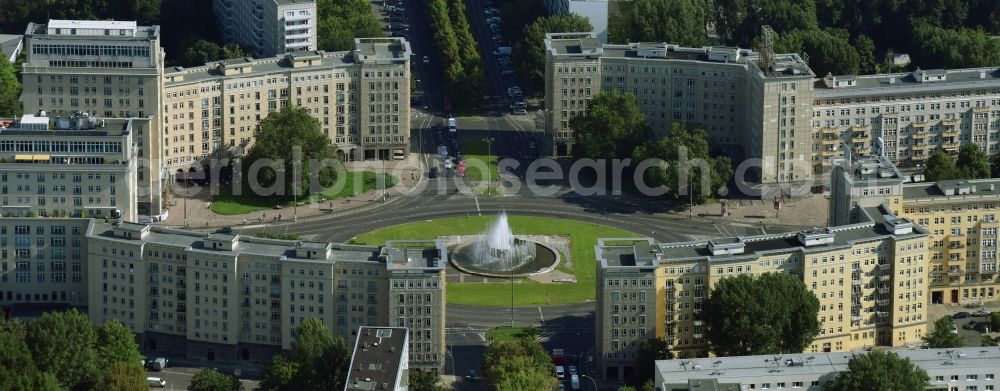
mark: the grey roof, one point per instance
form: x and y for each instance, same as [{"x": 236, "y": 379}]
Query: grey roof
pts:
[
  {"x": 141, "y": 32},
  {"x": 928, "y": 191},
  {"x": 768, "y": 368},
  {"x": 9, "y": 44},
  {"x": 415, "y": 254},
  {"x": 283, "y": 249},
  {"x": 611, "y": 254},
  {"x": 378, "y": 354},
  {"x": 292, "y": 2},
  {"x": 271, "y": 65},
  {"x": 888, "y": 83}
]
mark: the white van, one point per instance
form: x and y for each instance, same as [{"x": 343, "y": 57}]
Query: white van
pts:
[
  {"x": 560, "y": 373},
  {"x": 156, "y": 382},
  {"x": 452, "y": 125}
]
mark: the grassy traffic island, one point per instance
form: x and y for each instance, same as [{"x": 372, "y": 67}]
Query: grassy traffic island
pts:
[
  {"x": 480, "y": 166},
  {"x": 357, "y": 183},
  {"x": 582, "y": 237}
]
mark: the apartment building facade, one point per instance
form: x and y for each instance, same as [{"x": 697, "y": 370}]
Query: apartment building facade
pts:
[
  {"x": 110, "y": 69},
  {"x": 870, "y": 278},
  {"x": 73, "y": 167},
  {"x": 232, "y": 297},
  {"x": 361, "y": 99},
  {"x": 757, "y": 113},
  {"x": 268, "y": 27},
  {"x": 43, "y": 261},
  {"x": 969, "y": 369}
]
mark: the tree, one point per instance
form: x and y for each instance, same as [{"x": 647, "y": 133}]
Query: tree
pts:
[
  {"x": 973, "y": 162},
  {"x": 772, "y": 313},
  {"x": 529, "y": 52},
  {"x": 988, "y": 341},
  {"x": 676, "y": 21},
  {"x": 232, "y": 50},
  {"x": 10, "y": 90},
  {"x": 942, "y": 336},
  {"x": 17, "y": 370},
  {"x": 738, "y": 21},
  {"x": 63, "y": 343},
  {"x": 686, "y": 152},
  {"x": 938, "y": 47},
  {"x": 828, "y": 53},
  {"x": 123, "y": 376},
  {"x": 520, "y": 364},
  {"x": 318, "y": 361},
  {"x": 209, "y": 379},
  {"x": 941, "y": 167},
  {"x": 340, "y": 21},
  {"x": 995, "y": 166},
  {"x": 612, "y": 127},
  {"x": 995, "y": 321},
  {"x": 115, "y": 343},
  {"x": 275, "y": 139},
  {"x": 647, "y": 352},
  {"x": 421, "y": 380},
  {"x": 878, "y": 370},
  {"x": 202, "y": 52}
]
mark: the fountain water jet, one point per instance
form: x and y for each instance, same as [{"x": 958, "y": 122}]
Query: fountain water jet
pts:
[{"x": 498, "y": 253}]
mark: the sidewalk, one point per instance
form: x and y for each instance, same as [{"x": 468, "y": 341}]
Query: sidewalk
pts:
[
  {"x": 409, "y": 173},
  {"x": 806, "y": 212}
]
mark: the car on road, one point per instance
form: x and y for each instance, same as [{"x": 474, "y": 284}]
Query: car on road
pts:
[
  {"x": 471, "y": 376},
  {"x": 572, "y": 369},
  {"x": 560, "y": 372},
  {"x": 447, "y": 164},
  {"x": 491, "y": 11},
  {"x": 156, "y": 382},
  {"x": 981, "y": 313},
  {"x": 493, "y": 19},
  {"x": 426, "y": 60},
  {"x": 971, "y": 325},
  {"x": 520, "y": 112},
  {"x": 960, "y": 315},
  {"x": 433, "y": 173}
]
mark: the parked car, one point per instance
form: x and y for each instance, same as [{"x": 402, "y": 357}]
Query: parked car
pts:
[
  {"x": 520, "y": 112},
  {"x": 427, "y": 60},
  {"x": 156, "y": 382},
  {"x": 560, "y": 373},
  {"x": 981, "y": 313},
  {"x": 156, "y": 364},
  {"x": 971, "y": 325},
  {"x": 960, "y": 315},
  {"x": 433, "y": 173}
]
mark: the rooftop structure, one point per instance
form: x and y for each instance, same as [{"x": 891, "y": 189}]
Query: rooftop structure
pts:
[
  {"x": 972, "y": 367},
  {"x": 379, "y": 361}
]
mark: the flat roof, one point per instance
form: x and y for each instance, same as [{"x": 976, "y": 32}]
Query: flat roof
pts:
[
  {"x": 888, "y": 83},
  {"x": 92, "y": 24},
  {"x": 767, "y": 368},
  {"x": 9, "y": 43},
  {"x": 291, "y": 2},
  {"x": 978, "y": 188},
  {"x": 378, "y": 355}
]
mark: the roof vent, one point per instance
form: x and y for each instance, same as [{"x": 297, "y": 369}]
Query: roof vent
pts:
[
  {"x": 897, "y": 226},
  {"x": 717, "y": 248},
  {"x": 815, "y": 238}
]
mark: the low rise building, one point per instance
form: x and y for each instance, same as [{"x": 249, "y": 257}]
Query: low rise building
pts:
[
  {"x": 870, "y": 278},
  {"x": 227, "y": 296},
  {"x": 949, "y": 369},
  {"x": 379, "y": 361}
]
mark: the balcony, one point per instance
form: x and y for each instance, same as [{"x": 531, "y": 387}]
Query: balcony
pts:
[
  {"x": 950, "y": 133},
  {"x": 920, "y": 134},
  {"x": 921, "y": 125},
  {"x": 921, "y": 147},
  {"x": 950, "y": 146},
  {"x": 860, "y": 137},
  {"x": 829, "y": 130},
  {"x": 829, "y": 153},
  {"x": 299, "y": 35},
  {"x": 857, "y": 282},
  {"x": 951, "y": 122},
  {"x": 829, "y": 141}
]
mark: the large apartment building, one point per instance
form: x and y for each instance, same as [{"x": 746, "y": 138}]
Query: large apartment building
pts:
[
  {"x": 758, "y": 112},
  {"x": 870, "y": 278},
  {"x": 361, "y": 99},
  {"x": 104, "y": 68},
  {"x": 226, "y": 296},
  {"x": 268, "y": 27},
  {"x": 43, "y": 262},
  {"x": 780, "y": 111},
  {"x": 77, "y": 166}
]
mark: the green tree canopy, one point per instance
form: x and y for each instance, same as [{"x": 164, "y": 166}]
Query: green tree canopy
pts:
[
  {"x": 772, "y": 313},
  {"x": 827, "y": 52},
  {"x": 421, "y": 380},
  {"x": 122, "y": 376},
  {"x": 973, "y": 162},
  {"x": 878, "y": 370},
  {"x": 209, "y": 379},
  {"x": 529, "y": 52},
  {"x": 686, "y": 151},
  {"x": 739, "y": 21},
  {"x": 318, "y": 361},
  {"x": 115, "y": 343},
  {"x": 202, "y": 51},
  {"x": 519, "y": 364},
  {"x": 676, "y": 21},
  {"x": 942, "y": 336},
  {"x": 277, "y": 136},
  {"x": 17, "y": 370},
  {"x": 10, "y": 89},
  {"x": 941, "y": 167},
  {"x": 647, "y": 352},
  {"x": 612, "y": 127},
  {"x": 63, "y": 343},
  {"x": 340, "y": 21}
]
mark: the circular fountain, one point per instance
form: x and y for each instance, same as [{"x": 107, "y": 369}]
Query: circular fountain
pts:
[{"x": 498, "y": 253}]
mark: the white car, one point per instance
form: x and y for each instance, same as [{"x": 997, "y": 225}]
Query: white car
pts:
[{"x": 427, "y": 60}]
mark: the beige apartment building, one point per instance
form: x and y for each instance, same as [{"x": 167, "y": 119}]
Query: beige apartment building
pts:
[
  {"x": 759, "y": 112},
  {"x": 43, "y": 262},
  {"x": 109, "y": 69},
  {"x": 226, "y": 296},
  {"x": 77, "y": 166},
  {"x": 268, "y": 27},
  {"x": 870, "y": 278},
  {"x": 361, "y": 99}
]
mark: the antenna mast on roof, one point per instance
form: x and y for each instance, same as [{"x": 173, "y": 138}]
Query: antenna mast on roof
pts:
[{"x": 767, "y": 48}]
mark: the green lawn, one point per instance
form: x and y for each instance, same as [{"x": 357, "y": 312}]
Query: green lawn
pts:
[
  {"x": 582, "y": 237},
  {"x": 357, "y": 182},
  {"x": 505, "y": 333},
  {"x": 476, "y": 154}
]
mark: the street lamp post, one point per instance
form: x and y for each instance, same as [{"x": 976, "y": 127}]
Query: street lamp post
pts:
[
  {"x": 489, "y": 158},
  {"x": 591, "y": 380}
]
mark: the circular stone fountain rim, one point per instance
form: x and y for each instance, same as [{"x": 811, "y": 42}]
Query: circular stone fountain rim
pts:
[{"x": 460, "y": 267}]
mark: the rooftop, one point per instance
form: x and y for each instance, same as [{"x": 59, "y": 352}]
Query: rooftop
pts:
[
  {"x": 974, "y": 188},
  {"x": 573, "y": 44},
  {"x": 873, "y": 168},
  {"x": 766, "y": 368},
  {"x": 382, "y": 49},
  {"x": 881, "y": 223},
  {"x": 79, "y": 125},
  {"x": 292, "y": 2},
  {"x": 935, "y": 79},
  {"x": 376, "y": 362},
  {"x": 93, "y": 29},
  {"x": 9, "y": 44},
  {"x": 264, "y": 66},
  {"x": 415, "y": 254}
]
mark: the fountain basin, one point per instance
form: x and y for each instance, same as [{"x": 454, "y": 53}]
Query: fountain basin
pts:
[{"x": 465, "y": 257}]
